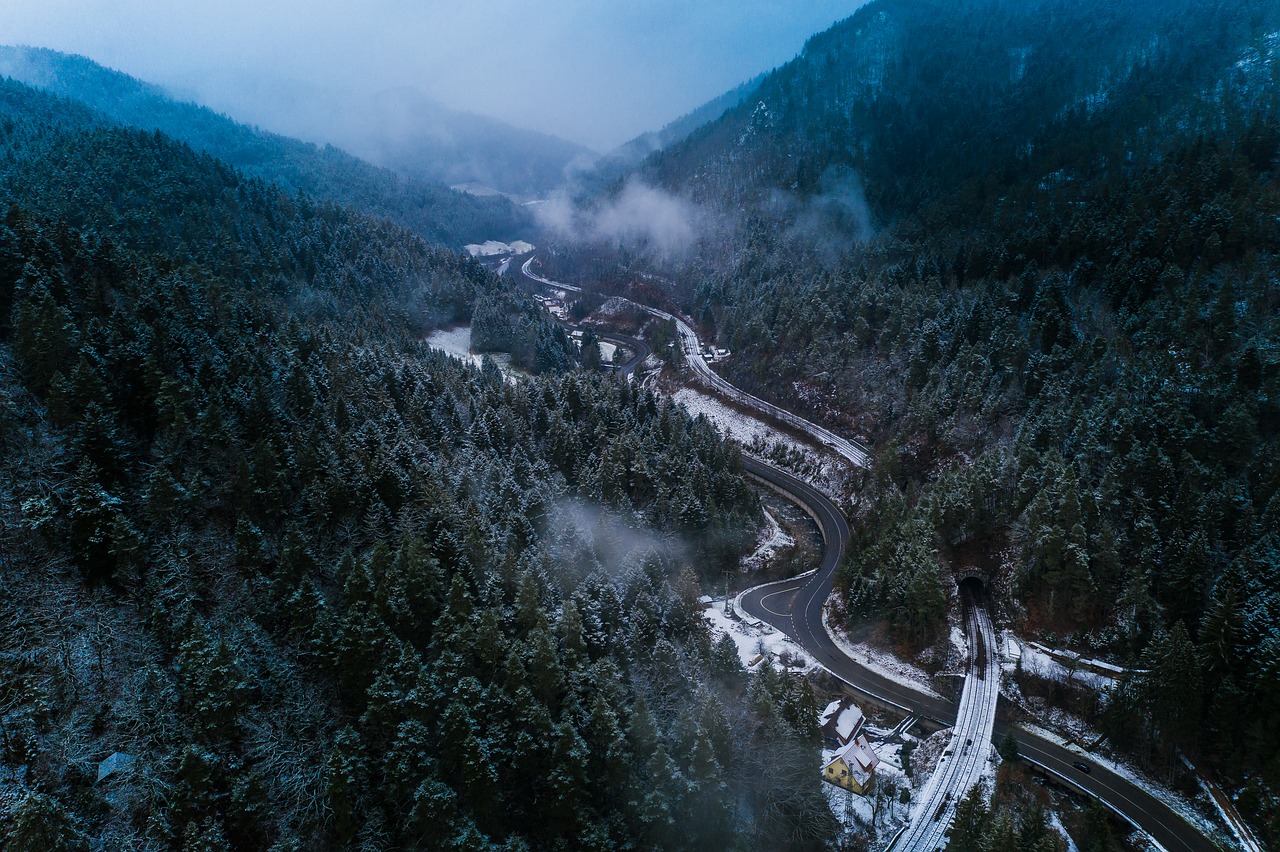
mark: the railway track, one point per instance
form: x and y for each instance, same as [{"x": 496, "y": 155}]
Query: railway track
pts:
[
  {"x": 853, "y": 452},
  {"x": 969, "y": 749}
]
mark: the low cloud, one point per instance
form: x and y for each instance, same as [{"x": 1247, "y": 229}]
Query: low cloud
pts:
[
  {"x": 609, "y": 540},
  {"x": 640, "y": 218},
  {"x": 832, "y": 221}
]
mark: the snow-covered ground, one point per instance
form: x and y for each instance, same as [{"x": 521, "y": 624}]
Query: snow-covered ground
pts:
[
  {"x": 732, "y": 423},
  {"x": 490, "y": 248},
  {"x": 878, "y": 661},
  {"x": 614, "y": 306},
  {"x": 766, "y": 442},
  {"x": 959, "y": 642},
  {"x": 926, "y": 756},
  {"x": 880, "y": 811},
  {"x": 851, "y": 810},
  {"x": 1055, "y": 822},
  {"x": 755, "y": 642},
  {"x": 456, "y": 342},
  {"x": 772, "y": 539},
  {"x": 1077, "y": 730},
  {"x": 1035, "y": 661}
]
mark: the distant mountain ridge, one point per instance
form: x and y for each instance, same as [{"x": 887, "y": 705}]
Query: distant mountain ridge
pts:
[
  {"x": 401, "y": 129},
  {"x": 456, "y": 147},
  {"x": 918, "y": 111},
  {"x": 435, "y": 212}
]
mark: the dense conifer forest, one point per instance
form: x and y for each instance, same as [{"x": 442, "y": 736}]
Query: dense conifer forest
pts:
[
  {"x": 294, "y": 580},
  {"x": 326, "y": 587},
  {"x": 1028, "y": 252}
]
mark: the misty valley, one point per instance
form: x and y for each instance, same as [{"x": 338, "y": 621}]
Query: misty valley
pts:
[{"x": 443, "y": 436}]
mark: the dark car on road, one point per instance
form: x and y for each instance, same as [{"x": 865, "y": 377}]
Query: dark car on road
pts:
[{"x": 1083, "y": 767}]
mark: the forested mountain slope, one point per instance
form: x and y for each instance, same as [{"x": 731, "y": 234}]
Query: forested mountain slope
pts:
[
  {"x": 433, "y": 211},
  {"x": 627, "y": 156},
  {"x": 956, "y": 101},
  {"x": 326, "y": 587},
  {"x": 1062, "y": 335}
]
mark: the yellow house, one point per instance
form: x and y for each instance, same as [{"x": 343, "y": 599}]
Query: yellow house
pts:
[{"x": 853, "y": 767}]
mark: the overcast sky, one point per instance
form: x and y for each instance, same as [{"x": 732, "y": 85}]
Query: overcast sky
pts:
[{"x": 597, "y": 72}]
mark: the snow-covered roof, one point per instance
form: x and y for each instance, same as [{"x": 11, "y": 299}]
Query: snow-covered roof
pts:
[
  {"x": 489, "y": 248},
  {"x": 841, "y": 719},
  {"x": 859, "y": 757}
]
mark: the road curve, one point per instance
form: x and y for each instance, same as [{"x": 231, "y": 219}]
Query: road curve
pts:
[
  {"x": 638, "y": 348},
  {"x": 795, "y": 607}
]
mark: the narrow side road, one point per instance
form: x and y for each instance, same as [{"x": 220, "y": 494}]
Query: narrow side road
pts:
[{"x": 854, "y": 453}]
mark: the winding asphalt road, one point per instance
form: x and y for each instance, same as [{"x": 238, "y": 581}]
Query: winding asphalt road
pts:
[{"x": 795, "y": 607}]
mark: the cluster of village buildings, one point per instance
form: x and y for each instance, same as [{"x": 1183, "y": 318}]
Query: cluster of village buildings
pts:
[
  {"x": 711, "y": 353},
  {"x": 554, "y": 306}
]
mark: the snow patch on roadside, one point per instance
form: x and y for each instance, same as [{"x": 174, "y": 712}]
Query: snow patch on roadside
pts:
[
  {"x": 959, "y": 641},
  {"x": 1055, "y": 822},
  {"x": 765, "y": 442},
  {"x": 732, "y": 423},
  {"x": 615, "y": 306},
  {"x": 1041, "y": 664},
  {"x": 927, "y": 755},
  {"x": 772, "y": 539},
  {"x": 756, "y": 643},
  {"x": 1178, "y": 803}
]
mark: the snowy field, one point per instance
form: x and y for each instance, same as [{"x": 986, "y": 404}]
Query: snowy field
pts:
[
  {"x": 732, "y": 423},
  {"x": 455, "y": 342},
  {"x": 755, "y": 644}
]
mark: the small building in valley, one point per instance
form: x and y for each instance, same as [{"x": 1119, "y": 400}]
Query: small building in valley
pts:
[
  {"x": 851, "y": 761},
  {"x": 853, "y": 767},
  {"x": 840, "y": 722}
]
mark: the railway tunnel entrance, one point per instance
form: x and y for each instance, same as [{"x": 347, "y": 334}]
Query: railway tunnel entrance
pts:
[{"x": 972, "y": 584}]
